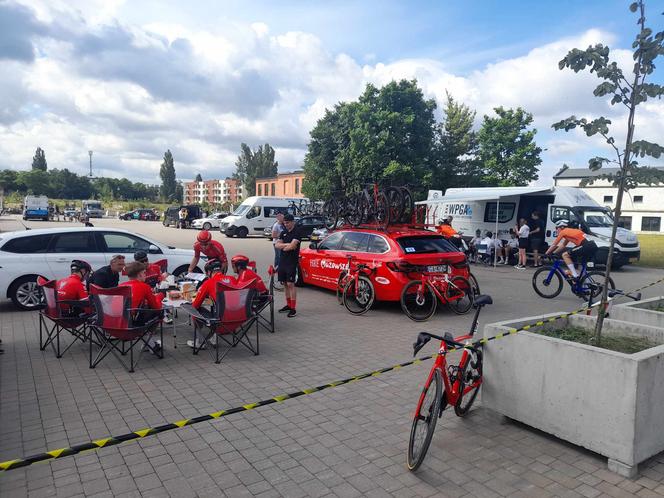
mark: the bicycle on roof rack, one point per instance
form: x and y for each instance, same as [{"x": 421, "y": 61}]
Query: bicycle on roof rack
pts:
[{"x": 455, "y": 385}]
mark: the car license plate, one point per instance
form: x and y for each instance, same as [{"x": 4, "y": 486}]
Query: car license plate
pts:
[
  {"x": 633, "y": 260},
  {"x": 437, "y": 269}
]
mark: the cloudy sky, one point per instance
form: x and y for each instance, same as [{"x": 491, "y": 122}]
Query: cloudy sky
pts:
[{"x": 130, "y": 79}]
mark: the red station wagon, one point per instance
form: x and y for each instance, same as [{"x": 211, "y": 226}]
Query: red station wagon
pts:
[{"x": 389, "y": 251}]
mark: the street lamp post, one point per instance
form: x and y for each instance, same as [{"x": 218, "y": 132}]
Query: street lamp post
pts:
[{"x": 90, "y": 153}]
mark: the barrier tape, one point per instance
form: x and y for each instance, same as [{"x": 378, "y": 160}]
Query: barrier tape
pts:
[{"x": 130, "y": 436}]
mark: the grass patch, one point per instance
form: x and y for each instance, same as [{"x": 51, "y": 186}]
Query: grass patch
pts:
[
  {"x": 652, "y": 250},
  {"x": 659, "y": 308},
  {"x": 622, "y": 344}
]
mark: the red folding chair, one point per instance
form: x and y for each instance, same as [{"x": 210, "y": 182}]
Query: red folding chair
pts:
[
  {"x": 230, "y": 320},
  {"x": 264, "y": 303},
  {"x": 119, "y": 328},
  {"x": 71, "y": 316}
]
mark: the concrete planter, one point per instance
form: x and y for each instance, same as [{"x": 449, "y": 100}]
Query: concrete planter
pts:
[
  {"x": 642, "y": 312},
  {"x": 611, "y": 403}
]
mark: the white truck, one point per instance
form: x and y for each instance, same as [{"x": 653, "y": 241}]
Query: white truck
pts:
[
  {"x": 254, "y": 214},
  {"x": 92, "y": 209},
  {"x": 498, "y": 209},
  {"x": 35, "y": 207}
]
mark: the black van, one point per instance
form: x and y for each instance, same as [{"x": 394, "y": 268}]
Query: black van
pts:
[{"x": 172, "y": 217}]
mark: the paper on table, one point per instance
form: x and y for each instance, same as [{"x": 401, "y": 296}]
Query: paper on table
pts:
[{"x": 198, "y": 277}]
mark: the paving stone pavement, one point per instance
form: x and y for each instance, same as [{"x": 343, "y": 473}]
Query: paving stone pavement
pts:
[{"x": 348, "y": 441}]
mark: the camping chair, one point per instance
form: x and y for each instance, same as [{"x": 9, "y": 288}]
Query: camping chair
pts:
[
  {"x": 230, "y": 320},
  {"x": 483, "y": 254},
  {"x": 263, "y": 304},
  {"x": 69, "y": 315},
  {"x": 118, "y": 327}
]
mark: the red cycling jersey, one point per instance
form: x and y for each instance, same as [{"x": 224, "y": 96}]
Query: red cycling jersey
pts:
[
  {"x": 209, "y": 288},
  {"x": 71, "y": 288},
  {"x": 247, "y": 275},
  {"x": 142, "y": 295},
  {"x": 214, "y": 249}
]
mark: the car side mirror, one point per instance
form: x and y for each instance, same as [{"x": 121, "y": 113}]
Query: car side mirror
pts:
[
  {"x": 313, "y": 245},
  {"x": 153, "y": 249}
]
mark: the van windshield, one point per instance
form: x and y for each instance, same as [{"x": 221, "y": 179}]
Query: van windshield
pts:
[
  {"x": 594, "y": 217},
  {"x": 242, "y": 209}
]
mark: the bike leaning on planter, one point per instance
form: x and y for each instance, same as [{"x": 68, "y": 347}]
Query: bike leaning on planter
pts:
[{"x": 455, "y": 385}]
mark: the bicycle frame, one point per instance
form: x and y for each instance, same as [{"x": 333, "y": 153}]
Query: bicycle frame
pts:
[
  {"x": 435, "y": 280},
  {"x": 354, "y": 274},
  {"x": 575, "y": 284}
]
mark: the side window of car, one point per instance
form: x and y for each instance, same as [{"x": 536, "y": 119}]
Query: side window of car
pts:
[
  {"x": 377, "y": 244},
  {"x": 124, "y": 243},
  {"x": 331, "y": 243},
  {"x": 34, "y": 244},
  {"x": 74, "y": 242},
  {"x": 253, "y": 212},
  {"x": 355, "y": 241}
]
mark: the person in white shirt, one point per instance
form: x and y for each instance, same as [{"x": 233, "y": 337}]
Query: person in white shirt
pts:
[
  {"x": 524, "y": 231},
  {"x": 277, "y": 228},
  {"x": 510, "y": 248}
]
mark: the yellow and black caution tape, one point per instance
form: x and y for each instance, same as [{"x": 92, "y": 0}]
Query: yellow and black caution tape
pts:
[{"x": 130, "y": 436}]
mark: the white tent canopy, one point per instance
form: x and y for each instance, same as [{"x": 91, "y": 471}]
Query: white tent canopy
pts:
[{"x": 479, "y": 194}]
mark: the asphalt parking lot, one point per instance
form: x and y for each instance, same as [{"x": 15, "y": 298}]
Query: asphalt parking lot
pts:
[{"x": 348, "y": 441}]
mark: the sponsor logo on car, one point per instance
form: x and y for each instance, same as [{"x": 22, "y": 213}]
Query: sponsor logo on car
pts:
[{"x": 324, "y": 263}]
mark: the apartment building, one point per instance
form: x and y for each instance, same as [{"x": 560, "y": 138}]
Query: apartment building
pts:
[
  {"x": 642, "y": 207},
  {"x": 213, "y": 191},
  {"x": 282, "y": 185}
]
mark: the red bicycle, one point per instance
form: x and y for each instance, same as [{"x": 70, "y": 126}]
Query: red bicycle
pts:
[
  {"x": 419, "y": 298},
  {"x": 455, "y": 385},
  {"x": 354, "y": 288}
]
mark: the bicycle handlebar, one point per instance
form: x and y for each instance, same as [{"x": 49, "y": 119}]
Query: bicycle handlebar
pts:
[{"x": 424, "y": 337}]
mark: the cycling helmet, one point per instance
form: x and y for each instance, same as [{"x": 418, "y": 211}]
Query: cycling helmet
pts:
[
  {"x": 562, "y": 223},
  {"x": 212, "y": 265},
  {"x": 240, "y": 258},
  {"x": 204, "y": 236},
  {"x": 573, "y": 224},
  {"x": 79, "y": 264},
  {"x": 141, "y": 256}
]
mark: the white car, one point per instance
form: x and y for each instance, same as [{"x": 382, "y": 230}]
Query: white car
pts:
[
  {"x": 212, "y": 221},
  {"x": 25, "y": 255}
]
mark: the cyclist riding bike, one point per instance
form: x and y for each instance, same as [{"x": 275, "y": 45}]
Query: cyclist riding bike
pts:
[
  {"x": 582, "y": 251},
  {"x": 211, "y": 248}
]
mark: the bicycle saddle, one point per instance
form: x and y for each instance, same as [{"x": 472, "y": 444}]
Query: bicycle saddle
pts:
[
  {"x": 422, "y": 339},
  {"x": 482, "y": 300}
]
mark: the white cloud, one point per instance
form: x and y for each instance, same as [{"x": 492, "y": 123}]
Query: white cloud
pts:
[{"x": 131, "y": 92}]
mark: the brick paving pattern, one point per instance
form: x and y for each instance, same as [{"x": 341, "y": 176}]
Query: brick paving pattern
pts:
[{"x": 348, "y": 441}]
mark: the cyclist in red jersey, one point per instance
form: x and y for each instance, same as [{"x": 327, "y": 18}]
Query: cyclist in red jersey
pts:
[
  {"x": 240, "y": 264},
  {"x": 153, "y": 270},
  {"x": 143, "y": 297},
  {"x": 211, "y": 248},
  {"x": 72, "y": 288}
]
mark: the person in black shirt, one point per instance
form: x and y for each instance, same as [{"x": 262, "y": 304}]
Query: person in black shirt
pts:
[
  {"x": 109, "y": 276},
  {"x": 289, "y": 244},
  {"x": 536, "y": 237}
]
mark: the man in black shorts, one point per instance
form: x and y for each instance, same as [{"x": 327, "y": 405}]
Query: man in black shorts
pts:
[{"x": 289, "y": 244}]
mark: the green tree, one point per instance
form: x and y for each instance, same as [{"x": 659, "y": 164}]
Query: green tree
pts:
[
  {"x": 252, "y": 164},
  {"x": 386, "y": 136},
  {"x": 629, "y": 93},
  {"x": 39, "y": 160},
  {"x": 167, "y": 175},
  {"x": 34, "y": 182},
  {"x": 8, "y": 179},
  {"x": 198, "y": 178},
  {"x": 507, "y": 149},
  {"x": 455, "y": 148}
]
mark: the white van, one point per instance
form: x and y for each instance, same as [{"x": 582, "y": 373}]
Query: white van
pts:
[
  {"x": 92, "y": 209},
  {"x": 497, "y": 209},
  {"x": 254, "y": 215},
  {"x": 35, "y": 207}
]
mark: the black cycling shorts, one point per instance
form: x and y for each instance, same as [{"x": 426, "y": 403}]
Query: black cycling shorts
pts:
[
  {"x": 584, "y": 252},
  {"x": 286, "y": 273}
]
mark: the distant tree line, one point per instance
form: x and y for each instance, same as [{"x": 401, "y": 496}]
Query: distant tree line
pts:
[{"x": 390, "y": 135}]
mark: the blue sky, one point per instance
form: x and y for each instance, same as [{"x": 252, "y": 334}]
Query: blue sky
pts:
[{"x": 130, "y": 79}]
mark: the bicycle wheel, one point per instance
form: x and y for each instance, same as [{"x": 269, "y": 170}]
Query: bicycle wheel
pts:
[
  {"x": 424, "y": 421},
  {"x": 331, "y": 214},
  {"x": 395, "y": 202},
  {"x": 418, "y": 301},
  {"x": 381, "y": 210},
  {"x": 340, "y": 286},
  {"x": 547, "y": 282},
  {"x": 358, "y": 301},
  {"x": 474, "y": 284},
  {"x": 408, "y": 206},
  {"x": 470, "y": 379},
  {"x": 595, "y": 280},
  {"x": 459, "y": 295},
  {"x": 356, "y": 209}
]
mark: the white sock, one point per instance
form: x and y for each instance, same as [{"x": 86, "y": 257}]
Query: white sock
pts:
[{"x": 572, "y": 268}]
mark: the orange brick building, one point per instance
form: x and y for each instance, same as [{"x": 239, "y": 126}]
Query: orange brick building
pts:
[
  {"x": 282, "y": 185},
  {"x": 213, "y": 191}
]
